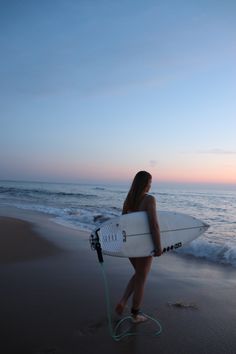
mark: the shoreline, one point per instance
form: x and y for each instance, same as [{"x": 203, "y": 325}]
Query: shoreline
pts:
[
  {"x": 20, "y": 243},
  {"x": 56, "y": 304},
  {"x": 38, "y": 219}
]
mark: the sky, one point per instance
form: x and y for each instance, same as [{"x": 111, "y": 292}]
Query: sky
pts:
[{"x": 96, "y": 90}]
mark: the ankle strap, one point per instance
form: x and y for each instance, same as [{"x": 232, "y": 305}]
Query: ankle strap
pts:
[{"x": 135, "y": 312}]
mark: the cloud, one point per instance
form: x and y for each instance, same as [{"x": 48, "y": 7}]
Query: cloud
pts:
[
  {"x": 153, "y": 163},
  {"x": 217, "y": 151}
]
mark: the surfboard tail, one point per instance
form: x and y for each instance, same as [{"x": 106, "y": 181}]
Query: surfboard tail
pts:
[{"x": 96, "y": 245}]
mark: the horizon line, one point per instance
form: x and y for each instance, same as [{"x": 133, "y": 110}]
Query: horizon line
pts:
[{"x": 91, "y": 181}]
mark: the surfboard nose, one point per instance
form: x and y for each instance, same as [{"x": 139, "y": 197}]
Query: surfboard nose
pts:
[{"x": 205, "y": 225}]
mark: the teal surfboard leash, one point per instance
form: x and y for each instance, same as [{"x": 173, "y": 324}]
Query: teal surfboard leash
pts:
[
  {"x": 114, "y": 332},
  {"x": 95, "y": 244}
]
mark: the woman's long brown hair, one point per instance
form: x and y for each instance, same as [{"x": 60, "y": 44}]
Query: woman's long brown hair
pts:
[{"x": 136, "y": 191}]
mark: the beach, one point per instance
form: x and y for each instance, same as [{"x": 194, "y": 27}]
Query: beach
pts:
[{"x": 52, "y": 295}]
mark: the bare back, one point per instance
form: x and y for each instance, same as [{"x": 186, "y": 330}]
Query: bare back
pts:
[{"x": 143, "y": 206}]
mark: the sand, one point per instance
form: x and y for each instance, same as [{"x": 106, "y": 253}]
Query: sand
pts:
[
  {"x": 52, "y": 296},
  {"x": 19, "y": 242}
]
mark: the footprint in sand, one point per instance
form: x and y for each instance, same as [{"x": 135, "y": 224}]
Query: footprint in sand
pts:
[
  {"x": 91, "y": 328},
  {"x": 51, "y": 350},
  {"x": 183, "y": 305}
]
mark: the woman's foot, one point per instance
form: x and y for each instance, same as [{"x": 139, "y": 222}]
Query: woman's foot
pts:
[{"x": 139, "y": 318}]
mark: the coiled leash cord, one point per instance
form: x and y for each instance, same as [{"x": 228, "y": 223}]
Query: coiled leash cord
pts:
[{"x": 114, "y": 331}]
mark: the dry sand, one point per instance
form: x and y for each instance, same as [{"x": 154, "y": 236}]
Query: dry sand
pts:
[{"x": 52, "y": 296}]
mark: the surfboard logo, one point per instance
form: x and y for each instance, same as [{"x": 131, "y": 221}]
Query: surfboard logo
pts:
[{"x": 172, "y": 247}]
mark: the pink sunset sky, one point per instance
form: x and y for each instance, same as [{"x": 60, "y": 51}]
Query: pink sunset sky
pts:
[{"x": 95, "y": 91}]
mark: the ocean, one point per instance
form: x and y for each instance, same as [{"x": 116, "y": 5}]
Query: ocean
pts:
[{"x": 86, "y": 206}]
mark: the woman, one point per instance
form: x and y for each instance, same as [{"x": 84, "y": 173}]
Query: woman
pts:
[{"x": 138, "y": 200}]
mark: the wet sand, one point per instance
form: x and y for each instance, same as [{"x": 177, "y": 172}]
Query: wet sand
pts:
[
  {"x": 19, "y": 242},
  {"x": 52, "y": 296}
]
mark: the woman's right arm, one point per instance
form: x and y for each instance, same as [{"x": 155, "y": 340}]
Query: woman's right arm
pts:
[{"x": 154, "y": 225}]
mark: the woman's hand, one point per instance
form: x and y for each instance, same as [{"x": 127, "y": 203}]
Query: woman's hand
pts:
[{"x": 157, "y": 252}]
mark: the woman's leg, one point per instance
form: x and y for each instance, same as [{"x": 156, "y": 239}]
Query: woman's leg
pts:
[
  {"x": 142, "y": 268},
  {"x": 128, "y": 291},
  {"x": 136, "y": 283}
]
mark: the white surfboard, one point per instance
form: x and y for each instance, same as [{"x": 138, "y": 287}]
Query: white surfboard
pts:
[{"x": 129, "y": 235}]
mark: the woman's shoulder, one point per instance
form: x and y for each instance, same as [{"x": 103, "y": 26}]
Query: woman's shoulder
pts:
[
  {"x": 149, "y": 198},
  {"x": 148, "y": 201}
]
